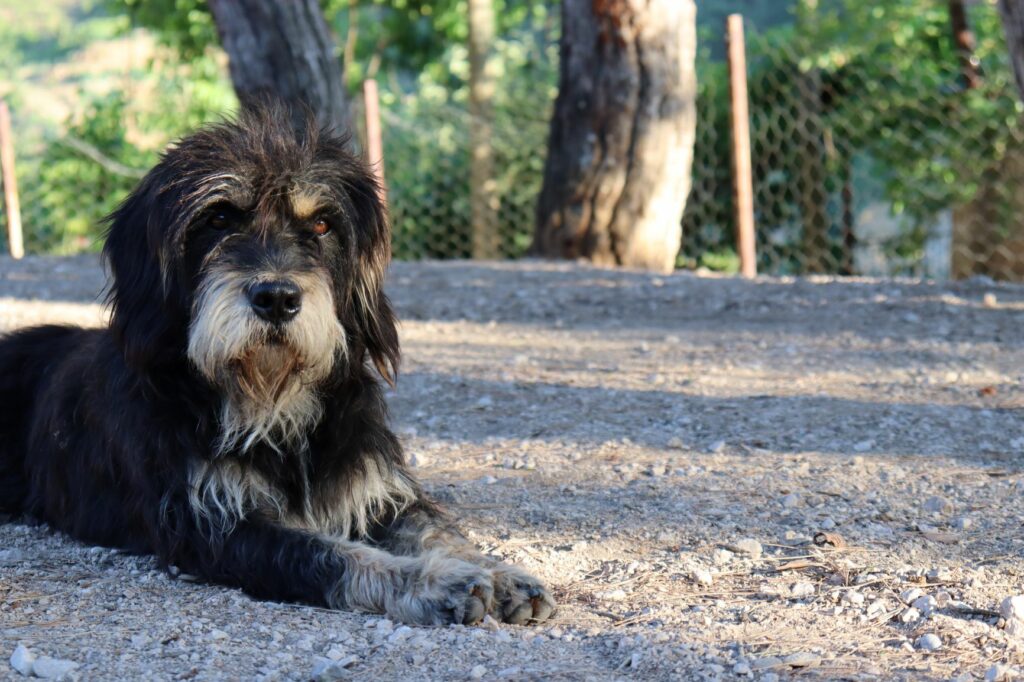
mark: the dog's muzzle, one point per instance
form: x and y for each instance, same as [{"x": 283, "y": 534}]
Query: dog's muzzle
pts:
[{"x": 276, "y": 302}]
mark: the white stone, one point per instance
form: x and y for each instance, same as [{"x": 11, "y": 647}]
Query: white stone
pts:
[
  {"x": 911, "y": 595},
  {"x": 722, "y": 556},
  {"x": 802, "y": 660},
  {"x": 853, "y": 598},
  {"x": 22, "y": 659},
  {"x": 750, "y": 547},
  {"x": 52, "y": 668},
  {"x": 477, "y": 672},
  {"x": 863, "y": 446},
  {"x": 741, "y": 668},
  {"x": 929, "y": 642},
  {"x": 716, "y": 447},
  {"x": 801, "y": 590},
  {"x": 791, "y": 501},
  {"x": 910, "y": 615},
  {"x": 1012, "y": 607},
  {"x": 925, "y": 604},
  {"x": 218, "y": 635},
  {"x": 703, "y": 577},
  {"x": 937, "y": 505}
]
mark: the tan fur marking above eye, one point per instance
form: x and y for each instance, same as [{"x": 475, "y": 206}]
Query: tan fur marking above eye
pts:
[{"x": 306, "y": 203}]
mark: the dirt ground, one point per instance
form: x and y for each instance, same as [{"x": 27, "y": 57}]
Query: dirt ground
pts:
[{"x": 719, "y": 479}]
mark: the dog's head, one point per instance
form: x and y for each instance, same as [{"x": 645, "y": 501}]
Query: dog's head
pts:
[{"x": 260, "y": 252}]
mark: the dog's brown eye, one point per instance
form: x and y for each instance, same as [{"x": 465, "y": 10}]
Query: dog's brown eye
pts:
[
  {"x": 220, "y": 220},
  {"x": 320, "y": 227}
]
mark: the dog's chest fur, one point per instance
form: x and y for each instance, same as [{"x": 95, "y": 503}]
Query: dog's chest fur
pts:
[{"x": 288, "y": 489}]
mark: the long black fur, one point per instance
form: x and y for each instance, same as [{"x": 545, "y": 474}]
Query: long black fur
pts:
[{"x": 100, "y": 428}]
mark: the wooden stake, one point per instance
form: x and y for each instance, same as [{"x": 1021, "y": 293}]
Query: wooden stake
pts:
[
  {"x": 13, "y": 210},
  {"x": 374, "y": 135},
  {"x": 743, "y": 181}
]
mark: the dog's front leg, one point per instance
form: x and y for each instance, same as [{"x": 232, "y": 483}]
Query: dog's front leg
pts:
[
  {"x": 274, "y": 562},
  {"x": 519, "y": 597}
]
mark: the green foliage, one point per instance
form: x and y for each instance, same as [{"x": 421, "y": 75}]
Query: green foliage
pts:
[{"x": 874, "y": 94}]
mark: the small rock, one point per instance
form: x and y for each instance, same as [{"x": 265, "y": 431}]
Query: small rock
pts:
[
  {"x": 926, "y": 604},
  {"x": 989, "y": 300},
  {"x": 802, "y": 590},
  {"x": 418, "y": 460},
  {"x": 489, "y": 480},
  {"x": 766, "y": 662},
  {"x": 750, "y": 547},
  {"x": 703, "y": 577},
  {"x": 802, "y": 660},
  {"x": 22, "y": 659},
  {"x": 477, "y": 672},
  {"x": 937, "y": 505},
  {"x": 675, "y": 443},
  {"x": 828, "y": 523},
  {"x": 863, "y": 446},
  {"x": 741, "y": 668},
  {"x": 139, "y": 641},
  {"x": 910, "y": 615},
  {"x": 1012, "y": 607},
  {"x": 853, "y": 598},
  {"x": 52, "y": 668},
  {"x": 716, "y": 447},
  {"x": 929, "y": 642},
  {"x": 1000, "y": 673},
  {"x": 10, "y": 556},
  {"x": 963, "y": 523},
  {"x": 911, "y": 595},
  {"x": 613, "y": 595},
  {"x": 791, "y": 501},
  {"x": 401, "y": 633},
  {"x": 217, "y": 635},
  {"x": 656, "y": 470},
  {"x": 722, "y": 556},
  {"x": 326, "y": 670}
]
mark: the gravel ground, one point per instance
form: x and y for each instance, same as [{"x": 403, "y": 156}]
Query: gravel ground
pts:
[{"x": 718, "y": 478}]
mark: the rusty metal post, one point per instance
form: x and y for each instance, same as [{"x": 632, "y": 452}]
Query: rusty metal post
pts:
[
  {"x": 13, "y": 210},
  {"x": 743, "y": 181},
  {"x": 374, "y": 135}
]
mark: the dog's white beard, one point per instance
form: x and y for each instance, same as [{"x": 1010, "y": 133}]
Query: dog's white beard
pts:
[{"x": 268, "y": 382}]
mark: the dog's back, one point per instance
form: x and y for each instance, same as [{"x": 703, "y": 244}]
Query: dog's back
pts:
[{"x": 28, "y": 358}]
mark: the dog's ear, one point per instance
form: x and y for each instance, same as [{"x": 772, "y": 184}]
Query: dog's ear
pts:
[
  {"x": 374, "y": 317},
  {"x": 136, "y": 253}
]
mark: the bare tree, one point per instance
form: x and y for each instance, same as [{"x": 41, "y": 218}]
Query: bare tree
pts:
[
  {"x": 1013, "y": 23},
  {"x": 621, "y": 141},
  {"x": 284, "y": 49}
]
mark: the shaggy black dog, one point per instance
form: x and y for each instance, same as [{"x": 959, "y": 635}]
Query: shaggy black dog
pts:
[{"x": 231, "y": 420}]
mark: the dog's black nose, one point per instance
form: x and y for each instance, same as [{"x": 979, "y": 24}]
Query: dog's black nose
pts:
[{"x": 276, "y": 302}]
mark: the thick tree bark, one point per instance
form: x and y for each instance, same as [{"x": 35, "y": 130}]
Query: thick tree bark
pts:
[
  {"x": 483, "y": 197},
  {"x": 621, "y": 142},
  {"x": 285, "y": 50},
  {"x": 1013, "y": 23}
]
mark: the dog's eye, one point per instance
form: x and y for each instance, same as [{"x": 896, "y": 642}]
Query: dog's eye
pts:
[
  {"x": 321, "y": 227},
  {"x": 220, "y": 220}
]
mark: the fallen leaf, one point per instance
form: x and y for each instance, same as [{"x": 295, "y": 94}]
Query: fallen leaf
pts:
[
  {"x": 987, "y": 391},
  {"x": 797, "y": 565}
]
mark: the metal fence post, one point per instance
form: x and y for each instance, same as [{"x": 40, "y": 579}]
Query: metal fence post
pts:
[
  {"x": 743, "y": 182},
  {"x": 374, "y": 136},
  {"x": 13, "y": 210}
]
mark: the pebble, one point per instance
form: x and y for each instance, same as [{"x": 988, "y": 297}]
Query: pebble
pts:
[
  {"x": 801, "y": 590},
  {"x": 802, "y": 660},
  {"x": 52, "y": 668},
  {"x": 326, "y": 670},
  {"x": 791, "y": 501},
  {"x": 989, "y": 300},
  {"x": 750, "y": 547},
  {"x": 929, "y": 642},
  {"x": 741, "y": 668},
  {"x": 22, "y": 659},
  {"x": 963, "y": 523},
  {"x": 828, "y": 523},
  {"x": 911, "y": 595},
  {"x": 675, "y": 443},
  {"x": 853, "y": 598},
  {"x": 937, "y": 505},
  {"x": 703, "y": 577},
  {"x": 1012, "y": 607},
  {"x": 716, "y": 447},
  {"x": 925, "y": 604},
  {"x": 910, "y": 615},
  {"x": 1001, "y": 673},
  {"x": 863, "y": 446},
  {"x": 722, "y": 556},
  {"x": 766, "y": 662},
  {"x": 217, "y": 635},
  {"x": 477, "y": 672},
  {"x": 11, "y": 556}
]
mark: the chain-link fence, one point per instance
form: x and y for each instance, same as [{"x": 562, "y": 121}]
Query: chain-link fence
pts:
[{"x": 877, "y": 154}]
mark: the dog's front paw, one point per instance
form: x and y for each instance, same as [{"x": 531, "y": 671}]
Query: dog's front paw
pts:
[
  {"x": 441, "y": 590},
  {"x": 520, "y": 598}
]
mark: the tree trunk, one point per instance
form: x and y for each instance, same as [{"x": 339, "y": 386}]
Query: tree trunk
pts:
[
  {"x": 1013, "y": 23},
  {"x": 621, "y": 143},
  {"x": 285, "y": 50},
  {"x": 483, "y": 197}
]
